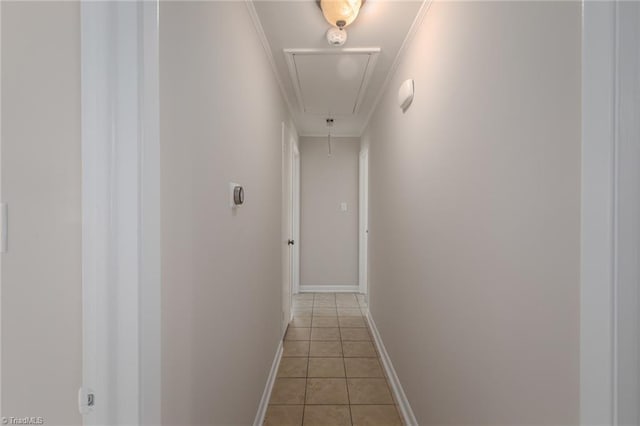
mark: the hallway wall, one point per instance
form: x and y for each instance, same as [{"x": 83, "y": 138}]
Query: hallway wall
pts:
[
  {"x": 328, "y": 236},
  {"x": 474, "y": 215},
  {"x": 41, "y": 179},
  {"x": 221, "y": 114}
]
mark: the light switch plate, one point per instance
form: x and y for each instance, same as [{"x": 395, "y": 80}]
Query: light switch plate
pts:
[{"x": 343, "y": 206}]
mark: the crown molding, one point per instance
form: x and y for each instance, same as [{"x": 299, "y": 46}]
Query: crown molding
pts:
[
  {"x": 424, "y": 8},
  {"x": 267, "y": 49}
]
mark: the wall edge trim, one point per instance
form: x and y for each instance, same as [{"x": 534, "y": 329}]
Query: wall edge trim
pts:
[
  {"x": 266, "y": 395},
  {"x": 396, "y": 387},
  {"x": 255, "y": 19},
  {"x": 342, "y": 288},
  {"x": 413, "y": 30}
]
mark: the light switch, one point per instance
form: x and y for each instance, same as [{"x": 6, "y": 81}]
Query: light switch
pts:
[{"x": 343, "y": 206}]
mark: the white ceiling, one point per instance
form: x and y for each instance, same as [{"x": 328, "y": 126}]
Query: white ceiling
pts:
[{"x": 341, "y": 82}]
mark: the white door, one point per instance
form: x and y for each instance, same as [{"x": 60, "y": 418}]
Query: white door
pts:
[
  {"x": 290, "y": 219},
  {"x": 287, "y": 241}
]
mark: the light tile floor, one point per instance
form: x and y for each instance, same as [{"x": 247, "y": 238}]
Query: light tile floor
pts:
[{"x": 330, "y": 373}]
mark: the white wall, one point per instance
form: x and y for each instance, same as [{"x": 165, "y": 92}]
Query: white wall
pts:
[
  {"x": 329, "y": 236},
  {"x": 475, "y": 215},
  {"x": 41, "y": 273},
  {"x": 221, "y": 114}
]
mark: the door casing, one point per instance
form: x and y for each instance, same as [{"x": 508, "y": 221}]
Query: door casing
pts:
[
  {"x": 610, "y": 223},
  {"x": 121, "y": 281},
  {"x": 295, "y": 212},
  {"x": 364, "y": 222}
]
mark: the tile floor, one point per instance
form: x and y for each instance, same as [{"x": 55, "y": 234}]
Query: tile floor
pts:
[{"x": 330, "y": 373}]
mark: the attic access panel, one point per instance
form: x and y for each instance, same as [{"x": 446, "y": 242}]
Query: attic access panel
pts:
[{"x": 331, "y": 81}]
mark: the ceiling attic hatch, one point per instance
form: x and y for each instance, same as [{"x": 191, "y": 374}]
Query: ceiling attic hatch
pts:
[{"x": 330, "y": 81}]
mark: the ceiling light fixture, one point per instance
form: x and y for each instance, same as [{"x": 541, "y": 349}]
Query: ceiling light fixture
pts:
[{"x": 340, "y": 14}]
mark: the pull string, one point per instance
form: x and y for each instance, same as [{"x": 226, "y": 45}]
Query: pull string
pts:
[{"x": 329, "y": 126}]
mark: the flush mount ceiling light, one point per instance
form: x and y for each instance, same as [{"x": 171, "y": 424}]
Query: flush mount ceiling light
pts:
[{"x": 339, "y": 13}]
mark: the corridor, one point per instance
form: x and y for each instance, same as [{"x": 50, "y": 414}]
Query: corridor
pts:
[
  {"x": 319, "y": 212},
  {"x": 330, "y": 372}
]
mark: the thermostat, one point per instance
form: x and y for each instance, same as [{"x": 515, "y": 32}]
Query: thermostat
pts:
[{"x": 236, "y": 194}]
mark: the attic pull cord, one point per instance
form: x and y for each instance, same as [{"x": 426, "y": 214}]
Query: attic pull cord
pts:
[{"x": 329, "y": 126}]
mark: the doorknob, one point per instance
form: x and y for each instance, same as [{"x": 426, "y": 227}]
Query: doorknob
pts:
[{"x": 290, "y": 242}]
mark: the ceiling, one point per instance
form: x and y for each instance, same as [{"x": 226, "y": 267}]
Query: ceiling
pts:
[{"x": 320, "y": 81}]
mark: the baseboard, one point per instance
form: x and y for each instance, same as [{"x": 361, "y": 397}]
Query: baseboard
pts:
[
  {"x": 329, "y": 289},
  {"x": 266, "y": 395},
  {"x": 401, "y": 399}
]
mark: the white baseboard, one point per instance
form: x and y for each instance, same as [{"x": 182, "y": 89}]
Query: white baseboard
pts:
[
  {"x": 329, "y": 289},
  {"x": 401, "y": 399},
  {"x": 266, "y": 395}
]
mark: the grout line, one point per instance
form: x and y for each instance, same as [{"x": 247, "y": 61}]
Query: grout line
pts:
[
  {"x": 308, "y": 357},
  {"x": 346, "y": 380},
  {"x": 306, "y": 379}
]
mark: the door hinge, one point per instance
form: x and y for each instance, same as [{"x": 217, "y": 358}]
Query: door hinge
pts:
[{"x": 86, "y": 400}]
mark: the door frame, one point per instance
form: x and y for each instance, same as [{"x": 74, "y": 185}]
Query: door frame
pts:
[
  {"x": 608, "y": 236},
  {"x": 363, "y": 246},
  {"x": 3, "y": 219},
  {"x": 121, "y": 288},
  {"x": 295, "y": 213}
]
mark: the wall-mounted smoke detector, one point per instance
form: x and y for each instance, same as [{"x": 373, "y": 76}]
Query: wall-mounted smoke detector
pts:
[{"x": 336, "y": 36}]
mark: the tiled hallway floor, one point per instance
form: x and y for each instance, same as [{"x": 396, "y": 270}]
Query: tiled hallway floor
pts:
[{"x": 330, "y": 373}]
